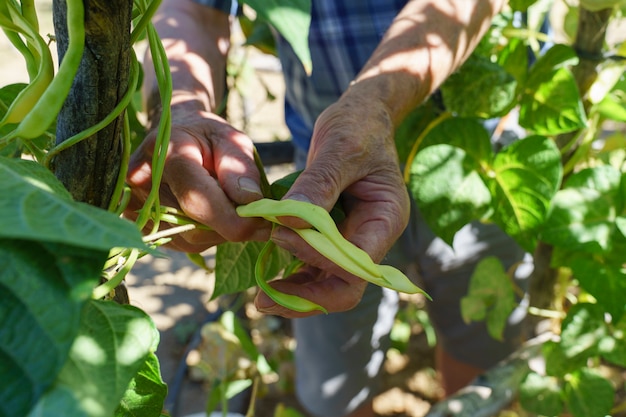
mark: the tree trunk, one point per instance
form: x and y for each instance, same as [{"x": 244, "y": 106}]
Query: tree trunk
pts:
[{"x": 90, "y": 169}]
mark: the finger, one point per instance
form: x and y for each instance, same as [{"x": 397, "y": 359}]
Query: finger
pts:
[
  {"x": 235, "y": 168},
  {"x": 202, "y": 199}
]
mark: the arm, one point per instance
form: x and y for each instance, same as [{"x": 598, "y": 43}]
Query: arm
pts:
[
  {"x": 210, "y": 167},
  {"x": 353, "y": 151},
  {"x": 196, "y": 41}
]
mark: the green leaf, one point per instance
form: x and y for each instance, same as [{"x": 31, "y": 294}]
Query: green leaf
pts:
[
  {"x": 234, "y": 265},
  {"x": 111, "y": 347},
  {"x": 497, "y": 89},
  {"x": 557, "y": 364},
  {"x": 491, "y": 295},
  {"x": 583, "y": 213},
  {"x": 34, "y": 205},
  {"x": 445, "y": 179},
  {"x": 613, "y": 346},
  {"x": 448, "y": 189},
  {"x": 146, "y": 393},
  {"x": 43, "y": 287},
  {"x": 555, "y": 58},
  {"x": 541, "y": 395},
  {"x": 412, "y": 126},
  {"x": 521, "y": 5},
  {"x": 612, "y": 109},
  {"x": 588, "y": 394},
  {"x": 291, "y": 18},
  {"x": 258, "y": 34},
  {"x": 526, "y": 175},
  {"x": 514, "y": 59},
  {"x": 604, "y": 280},
  {"x": 581, "y": 331},
  {"x": 553, "y": 106},
  {"x": 551, "y": 102}
]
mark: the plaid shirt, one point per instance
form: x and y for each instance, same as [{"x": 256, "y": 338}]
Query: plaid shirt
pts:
[{"x": 342, "y": 36}]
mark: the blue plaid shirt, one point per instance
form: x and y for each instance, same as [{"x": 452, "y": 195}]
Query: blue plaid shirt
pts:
[{"x": 342, "y": 36}]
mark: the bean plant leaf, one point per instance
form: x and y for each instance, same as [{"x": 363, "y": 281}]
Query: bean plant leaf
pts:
[
  {"x": 146, "y": 393},
  {"x": 551, "y": 103},
  {"x": 604, "y": 280},
  {"x": 526, "y": 175},
  {"x": 588, "y": 394},
  {"x": 234, "y": 265},
  {"x": 112, "y": 345},
  {"x": 35, "y": 205},
  {"x": 582, "y": 330},
  {"x": 414, "y": 123},
  {"x": 613, "y": 346},
  {"x": 491, "y": 297},
  {"x": 514, "y": 60},
  {"x": 497, "y": 89},
  {"x": 291, "y": 18},
  {"x": 557, "y": 364},
  {"x": 445, "y": 179},
  {"x": 448, "y": 189},
  {"x": 583, "y": 213},
  {"x": 43, "y": 287},
  {"x": 541, "y": 394}
]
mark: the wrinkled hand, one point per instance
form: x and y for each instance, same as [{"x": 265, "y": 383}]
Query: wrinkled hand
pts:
[
  {"x": 209, "y": 170},
  {"x": 353, "y": 154}
]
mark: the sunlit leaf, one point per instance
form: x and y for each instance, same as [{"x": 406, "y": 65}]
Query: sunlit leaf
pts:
[
  {"x": 491, "y": 297},
  {"x": 291, "y": 18},
  {"x": 604, "y": 280},
  {"x": 526, "y": 175},
  {"x": 448, "y": 189},
  {"x": 514, "y": 59},
  {"x": 146, "y": 393},
  {"x": 583, "y": 213},
  {"x": 234, "y": 265},
  {"x": 587, "y": 394},
  {"x": 445, "y": 176},
  {"x": 35, "y": 205},
  {"x": 43, "y": 287},
  {"x": 553, "y": 106},
  {"x": 541, "y": 395},
  {"x": 497, "y": 89},
  {"x": 613, "y": 346},
  {"x": 551, "y": 102},
  {"x": 581, "y": 330},
  {"x": 111, "y": 347}
]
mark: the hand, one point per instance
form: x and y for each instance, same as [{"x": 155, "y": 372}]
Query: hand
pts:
[
  {"x": 209, "y": 170},
  {"x": 352, "y": 155}
]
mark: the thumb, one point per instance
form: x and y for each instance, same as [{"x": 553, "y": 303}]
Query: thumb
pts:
[{"x": 317, "y": 185}]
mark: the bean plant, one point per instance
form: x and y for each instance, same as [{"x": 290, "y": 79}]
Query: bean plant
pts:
[{"x": 67, "y": 348}]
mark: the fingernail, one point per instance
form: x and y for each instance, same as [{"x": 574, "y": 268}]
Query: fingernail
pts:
[
  {"x": 249, "y": 185},
  {"x": 298, "y": 197},
  {"x": 278, "y": 236}
]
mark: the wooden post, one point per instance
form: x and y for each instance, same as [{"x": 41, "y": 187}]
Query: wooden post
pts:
[{"x": 90, "y": 169}]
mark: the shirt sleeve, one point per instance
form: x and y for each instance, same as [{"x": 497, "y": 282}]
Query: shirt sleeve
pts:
[{"x": 224, "y": 5}]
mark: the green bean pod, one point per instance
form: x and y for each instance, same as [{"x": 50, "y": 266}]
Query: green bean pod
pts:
[
  {"x": 293, "y": 302},
  {"x": 45, "y": 111},
  {"x": 328, "y": 249},
  {"x": 330, "y": 243},
  {"x": 30, "y": 95},
  {"x": 317, "y": 217}
]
